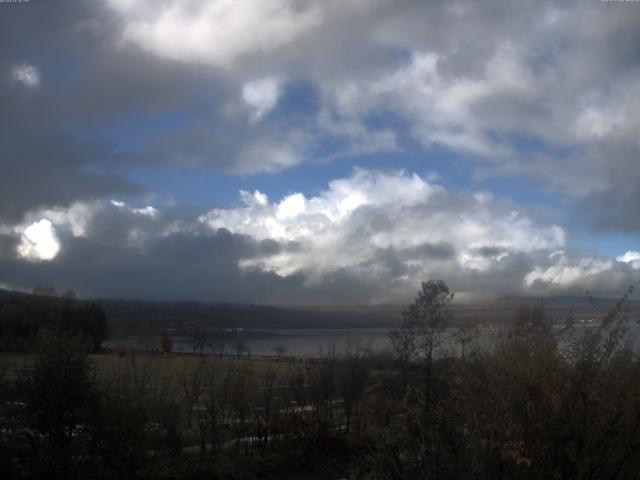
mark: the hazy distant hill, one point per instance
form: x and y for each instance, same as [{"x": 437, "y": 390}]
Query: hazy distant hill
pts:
[
  {"x": 145, "y": 314},
  {"x": 140, "y": 316},
  {"x": 7, "y": 294},
  {"x": 133, "y": 314}
]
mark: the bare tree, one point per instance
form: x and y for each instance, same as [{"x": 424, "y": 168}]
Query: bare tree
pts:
[
  {"x": 220, "y": 337},
  {"x": 466, "y": 334},
  {"x": 353, "y": 378},
  {"x": 167, "y": 344},
  {"x": 69, "y": 295},
  {"x": 239, "y": 345},
  {"x": 198, "y": 336},
  {"x": 419, "y": 336},
  {"x": 191, "y": 379}
]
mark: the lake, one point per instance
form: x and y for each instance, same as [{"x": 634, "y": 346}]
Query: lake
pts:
[
  {"x": 288, "y": 342},
  {"x": 309, "y": 343}
]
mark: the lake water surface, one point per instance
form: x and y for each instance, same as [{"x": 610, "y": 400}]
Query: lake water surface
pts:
[
  {"x": 290, "y": 342},
  {"x": 317, "y": 342},
  {"x": 309, "y": 343}
]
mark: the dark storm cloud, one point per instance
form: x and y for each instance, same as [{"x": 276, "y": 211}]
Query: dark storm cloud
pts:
[
  {"x": 8, "y": 246},
  {"x": 491, "y": 251},
  {"x": 43, "y": 168},
  {"x": 613, "y": 205},
  {"x": 435, "y": 251},
  {"x": 43, "y": 162},
  {"x": 188, "y": 248},
  {"x": 91, "y": 108},
  {"x": 182, "y": 266},
  {"x": 614, "y": 210},
  {"x": 124, "y": 255}
]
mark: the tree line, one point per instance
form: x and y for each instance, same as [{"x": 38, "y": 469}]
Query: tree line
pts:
[{"x": 24, "y": 320}]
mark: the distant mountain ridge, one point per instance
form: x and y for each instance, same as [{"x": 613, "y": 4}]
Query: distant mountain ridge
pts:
[{"x": 133, "y": 315}]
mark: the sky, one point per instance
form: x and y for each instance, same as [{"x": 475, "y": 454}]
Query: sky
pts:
[{"x": 333, "y": 152}]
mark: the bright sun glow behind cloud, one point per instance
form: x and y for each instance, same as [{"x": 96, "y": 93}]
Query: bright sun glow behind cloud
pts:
[{"x": 39, "y": 241}]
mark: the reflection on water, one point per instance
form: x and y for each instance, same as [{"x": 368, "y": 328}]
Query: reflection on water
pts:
[{"x": 316, "y": 342}]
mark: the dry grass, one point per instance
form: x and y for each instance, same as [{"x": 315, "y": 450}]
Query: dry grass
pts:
[{"x": 169, "y": 367}]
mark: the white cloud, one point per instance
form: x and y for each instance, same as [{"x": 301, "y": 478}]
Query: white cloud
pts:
[
  {"x": 147, "y": 211},
  {"x": 76, "y": 217},
  {"x": 273, "y": 152},
  {"x": 291, "y": 206},
  {"x": 439, "y": 108},
  {"x": 362, "y": 140},
  {"x": 216, "y": 32},
  {"x": 566, "y": 272},
  {"x": 26, "y": 74},
  {"x": 632, "y": 258},
  {"x": 39, "y": 241},
  {"x": 261, "y": 95},
  {"x": 602, "y": 115},
  {"x": 350, "y": 223}
]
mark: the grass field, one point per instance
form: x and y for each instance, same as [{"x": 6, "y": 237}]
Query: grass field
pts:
[{"x": 169, "y": 367}]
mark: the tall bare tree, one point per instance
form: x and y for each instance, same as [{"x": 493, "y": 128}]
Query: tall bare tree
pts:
[{"x": 419, "y": 336}]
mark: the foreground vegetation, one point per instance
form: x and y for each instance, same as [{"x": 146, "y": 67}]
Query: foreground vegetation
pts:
[{"x": 533, "y": 406}]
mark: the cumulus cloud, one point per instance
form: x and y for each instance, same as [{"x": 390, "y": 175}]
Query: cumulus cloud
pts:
[
  {"x": 216, "y": 32},
  {"x": 631, "y": 257},
  {"x": 367, "y": 238},
  {"x": 441, "y": 108},
  {"x": 564, "y": 272},
  {"x": 261, "y": 95},
  {"x": 26, "y": 74},
  {"x": 387, "y": 225}
]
